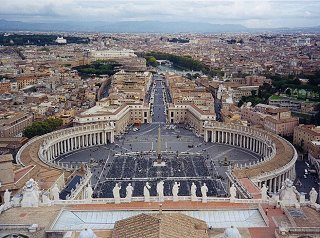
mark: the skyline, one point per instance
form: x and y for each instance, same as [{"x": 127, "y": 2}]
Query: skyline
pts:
[{"x": 252, "y": 14}]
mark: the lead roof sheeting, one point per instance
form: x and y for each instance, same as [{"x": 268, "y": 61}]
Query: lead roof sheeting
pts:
[{"x": 78, "y": 220}]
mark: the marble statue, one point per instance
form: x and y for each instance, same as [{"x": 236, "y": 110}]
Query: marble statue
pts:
[
  {"x": 313, "y": 196},
  {"x": 264, "y": 190},
  {"x": 160, "y": 188},
  {"x": 204, "y": 190},
  {"x": 175, "y": 191},
  {"x": 6, "y": 197},
  {"x": 129, "y": 192},
  {"x": 116, "y": 193},
  {"x": 233, "y": 192},
  {"x": 288, "y": 195},
  {"x": 55, "y": 193},
  {"x": 45, "y": 199},
  {"x": 193, "y": 191},
  {"x": 30, "y": 194},
  {"x": 89, "y": 192},
  {"x": 146, "y": 192}
]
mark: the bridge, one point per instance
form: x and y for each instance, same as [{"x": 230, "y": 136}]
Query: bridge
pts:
[{"x": 165, "y": 62}]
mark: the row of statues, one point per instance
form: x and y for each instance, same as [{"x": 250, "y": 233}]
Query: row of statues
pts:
[
  {"x": 160, "y": 192},
  {"x": 88, "y": 193},
  {"x": 33, "y": 197}
]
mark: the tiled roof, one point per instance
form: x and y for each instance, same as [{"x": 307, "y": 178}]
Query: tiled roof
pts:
[
  {"x": 283, "y": 156},
  {"x": 160, "y": 226}
]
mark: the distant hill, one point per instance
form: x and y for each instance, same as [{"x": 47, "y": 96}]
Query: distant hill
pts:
[
  {"x": 128, "y": 26},
  {"x": 140, "y": 27}
]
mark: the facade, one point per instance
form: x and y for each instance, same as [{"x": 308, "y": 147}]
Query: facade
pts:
[
  {"x": 190, "y": 104},
  {"x": 314, "y": 155},
  {"x": 61, "y": 40},
  {"x": 112, "y": 54},
  {"x": 24, "y": 81},
  {"x": 292, "y": 104},
  {"x": 13, "y": 125},
  {"x": 271, "y": 118},
  {"x": 304, "y": 134},
  {"x": 191, "y": 115},
  {"x": 120, "y": 115},
  {"x": 125, "y": 104},
  {"x": 5, "y": 86},
  {"x": 245, "y": 91}
]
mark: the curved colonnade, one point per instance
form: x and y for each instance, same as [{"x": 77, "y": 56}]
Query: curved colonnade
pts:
[
  {"x": 55, "y": 144},
  {"x": 277, "y": 163},
  {"x": 278, "y": 155}
]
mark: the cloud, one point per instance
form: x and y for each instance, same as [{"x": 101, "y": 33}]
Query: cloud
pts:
[{"x": 253, "y": 13}]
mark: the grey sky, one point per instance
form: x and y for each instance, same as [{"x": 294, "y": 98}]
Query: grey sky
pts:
[{"x": 251, "y": 13}]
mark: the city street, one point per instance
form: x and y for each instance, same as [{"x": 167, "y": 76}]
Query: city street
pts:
[{"x": 305, "y": 181}]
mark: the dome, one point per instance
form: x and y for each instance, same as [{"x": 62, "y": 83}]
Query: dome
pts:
[
  {"x": 232, "y": 232},
  {"x": 87, "y": 233}
]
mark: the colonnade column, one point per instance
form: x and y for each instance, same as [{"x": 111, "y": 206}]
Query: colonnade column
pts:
[{"x": 112, "y": 137}]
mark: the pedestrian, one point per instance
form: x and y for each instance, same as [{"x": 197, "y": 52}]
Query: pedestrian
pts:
[{"x": 267, "y": 209}]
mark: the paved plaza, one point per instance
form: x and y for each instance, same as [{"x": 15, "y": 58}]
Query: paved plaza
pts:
[
  {"x": 188, "y": 158},
  {"x": 130, "y": 159}
]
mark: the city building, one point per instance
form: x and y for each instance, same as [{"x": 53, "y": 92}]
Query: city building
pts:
[
  {"x": 112, "y": 54},
  {"x": 271, "y": 118},
  {"x": 190, "y": 104},
  {"x": 24, "y": 81},
  {"x": 125, "y": 103},
  {"x": 314, "y": 155},
  {"x": 304, "y": 134},
  {"x": 61, "y": 40},
  {"x": 12, "y": 125},
  {"x": 5, "y": 86},
  {"x": 293, "y": 104}
]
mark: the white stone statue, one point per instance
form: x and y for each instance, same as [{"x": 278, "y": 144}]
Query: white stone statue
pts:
[
  {"x": 193, "y": 191},
  {"x": 313, "y": 196},
  {"x": 89, "y": 192},
  {"x": 160, "y": 188},
  {"x": 204, "y": 190},
  {"x": 45, "y": 199},
  {"x": 175, "y": 191},
  {"x": 264, "y": 190},
  {"x": 116, "y": 193},
  {"x": 6, "y": 197},
  {"x": 129, "y": 192},
  {"x": 233, "y": 192},
  {"x": 288, "y": 195},
  {"x": 30, "y": 194},
  {"x": 146, "y": 192},
  {"x": 55, "y": 193}
]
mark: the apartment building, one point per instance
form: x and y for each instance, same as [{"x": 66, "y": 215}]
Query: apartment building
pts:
[
  {"x": 314, "y": 155},
  {"x": 274, "y": 119},
  {"x": 5, "y": 86},
  {"x": 125, "y": 104},
  {"x": 304, "y": 134},
  {"x": 293, "y": 104},
  {"x": 190, "y": 105},
  {"x": 25, "y": 81},
  {"x": 13, "y": 125}
]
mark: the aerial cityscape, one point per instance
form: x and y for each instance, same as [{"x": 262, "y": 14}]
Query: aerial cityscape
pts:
[{"x": 160, "y": 119}]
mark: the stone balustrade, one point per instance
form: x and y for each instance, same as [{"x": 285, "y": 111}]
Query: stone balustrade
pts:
[{"x": 80, "y": 190}]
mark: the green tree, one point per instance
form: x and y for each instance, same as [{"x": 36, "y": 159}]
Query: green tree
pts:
[
  {"x": 151, "y": 61},
  {"x": 39, "y": 128}
]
